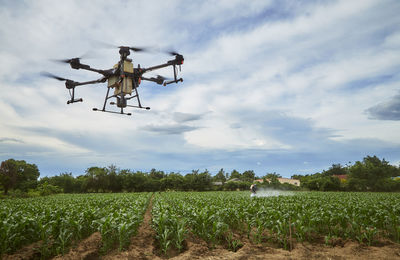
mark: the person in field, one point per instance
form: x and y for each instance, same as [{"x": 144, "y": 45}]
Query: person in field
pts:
[{"x": 253, "y": 189}]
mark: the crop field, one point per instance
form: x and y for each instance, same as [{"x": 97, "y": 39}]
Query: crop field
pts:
[
  {"x": 60, "y": 220},
  {"x": 195, "y": 224}
]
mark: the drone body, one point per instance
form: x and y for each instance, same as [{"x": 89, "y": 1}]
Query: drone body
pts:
[{"x": 123, "y": 78}]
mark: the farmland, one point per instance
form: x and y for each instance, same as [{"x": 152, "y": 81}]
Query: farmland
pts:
[{"x": 188, "y": 224}]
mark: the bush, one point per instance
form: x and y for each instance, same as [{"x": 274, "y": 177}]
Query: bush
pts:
[{"x": 48, "y": 189}]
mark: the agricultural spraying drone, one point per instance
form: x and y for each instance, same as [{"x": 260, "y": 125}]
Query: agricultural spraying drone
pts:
[{"x": 123, "y": 78}]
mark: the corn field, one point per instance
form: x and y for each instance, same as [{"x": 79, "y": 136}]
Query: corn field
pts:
[
  {"x": 59, "y": 221},
  {"x": 220, "y": 218},
  {"x": 224, "y": 217}
]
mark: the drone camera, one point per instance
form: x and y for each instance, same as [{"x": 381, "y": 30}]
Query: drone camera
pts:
[{"x": 121, "y": 102}]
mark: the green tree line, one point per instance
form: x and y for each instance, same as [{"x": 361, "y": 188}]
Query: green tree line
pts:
[
  {"x": 370, "y": 174},
  {"x": 23, "y": 177}
]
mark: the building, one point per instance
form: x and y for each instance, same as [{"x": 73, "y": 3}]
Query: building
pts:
[
  {"x": 290, "y": 181},
  {"x": 233, "y": 180},
  {"x": 294, "y": 182}
]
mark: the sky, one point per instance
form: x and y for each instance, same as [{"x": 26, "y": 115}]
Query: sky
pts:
[{"x": 290, "y": 87}]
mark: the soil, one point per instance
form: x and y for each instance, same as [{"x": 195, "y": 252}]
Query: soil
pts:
[{"x": 144, "y": 246}]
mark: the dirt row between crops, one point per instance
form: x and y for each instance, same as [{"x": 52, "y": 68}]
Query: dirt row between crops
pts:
[{"x": 144, "y": 246}]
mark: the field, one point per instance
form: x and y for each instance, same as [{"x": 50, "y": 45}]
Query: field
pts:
[{"x": 212, "y": 225}]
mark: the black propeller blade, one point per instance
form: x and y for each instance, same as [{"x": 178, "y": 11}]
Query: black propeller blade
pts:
[
  {"x": 69, "y": 60},
  {"x": 169, "y": 50},
  {"x": 112, "y": 46},
  {"x": 136, "y": 49},
  {"x": 174, "y": 53},
  {"x": 68, "y": 83},
  {"x": 87, "y": 55},
  {"x": 49, "y": 75}
]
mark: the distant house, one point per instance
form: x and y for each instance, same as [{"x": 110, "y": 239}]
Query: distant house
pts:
[
  {"x": 290, "y": 181},
  {"x": 233, "y": 180},
  {"x": 282, "y": 180},
  {"x": 217, "y": 183}
]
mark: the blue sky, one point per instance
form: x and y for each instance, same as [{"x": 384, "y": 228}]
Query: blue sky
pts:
[{"x": 273, "y": 86}]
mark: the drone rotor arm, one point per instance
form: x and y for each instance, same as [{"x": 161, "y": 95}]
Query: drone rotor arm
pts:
[
  {"x": 145, "y": 70},
  {"x": 101, "y": 80},
  {"x": 159, "y": 79},
  {"x": 87, "y": 67}
]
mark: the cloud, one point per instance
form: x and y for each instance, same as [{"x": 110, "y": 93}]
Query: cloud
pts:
[
  {"x": 389, "y": 110},
  {"x": 10, "y": 140},
  {"x": 174, "y": 129},
  {"x": 180, "y": 117}
]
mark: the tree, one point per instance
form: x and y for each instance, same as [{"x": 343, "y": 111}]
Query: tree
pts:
[
  {"x": 220, "y": 176},
  {"x": 48, "y": 189},
  {"x": 114, "y": 180},
  {"x": 335, "y": 169},
  {"x": 235, "y": 174},
  {"x": 272, "y": 175},
  {"x": 330, "y": 183},
  {"x": 97, "y": 179},
  {"x": 139, "y": 181},
  {"x": 18, "y": 175},
  {"x": 65, "y": 181},
  {"x": 156, "y": 174},
  {"x": 198, "y": 181},
  {"x": 126, "y": 177},
  {"x": 371, "y": 174},
  {"x": 248, "y": 176},
  {"x": 273, "y": 181},
  {"x": 8, "y": 174},
  {"x": 204, "y": 181}
]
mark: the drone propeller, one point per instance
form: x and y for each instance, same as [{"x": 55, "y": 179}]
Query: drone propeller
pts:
[
  {"x": 68, "y": 60},
  {"x": 169, "y": 50},
  {"x": 136, "y": 49},
  {"x": 68, "y": 83},
  {"x": 86, "y": 55},
  {"x": 112, "y": 46},
  {"x": 49, "y": 75},
  {"x": 173, "y": 53}
]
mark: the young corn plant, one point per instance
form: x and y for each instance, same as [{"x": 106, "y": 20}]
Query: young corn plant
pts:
[
  {"x": 233, "y": 244},
  {"x": 181, "y": 232}
]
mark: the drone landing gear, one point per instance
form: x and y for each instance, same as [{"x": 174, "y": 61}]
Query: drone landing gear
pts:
[
  {"x": 72, "y": 94},
  {"x": 121, "y": 102},
  {"x": 74, "y": 101},
  {"x": 114, "y": 112}
]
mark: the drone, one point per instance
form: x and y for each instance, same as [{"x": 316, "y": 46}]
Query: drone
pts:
[{"x": 123, "y": 78}]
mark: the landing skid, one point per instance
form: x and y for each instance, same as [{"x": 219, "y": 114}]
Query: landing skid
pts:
[{"x": 113, "y": 112}]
